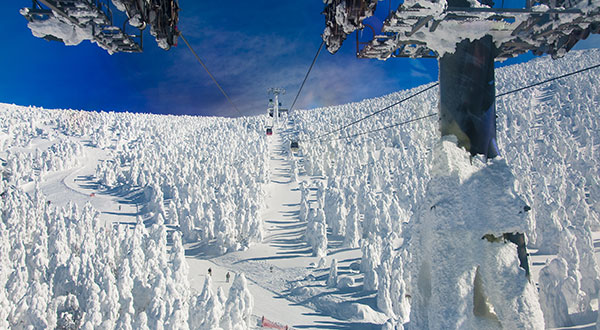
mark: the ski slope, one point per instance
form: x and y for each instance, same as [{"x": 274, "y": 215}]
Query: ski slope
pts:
[
  {"x": 283, "y": 250},
  {"x": 323, "y": 236}
]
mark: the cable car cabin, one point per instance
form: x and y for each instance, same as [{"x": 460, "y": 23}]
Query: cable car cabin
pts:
[
  {"x": 269, "y": 131},
  {"x": 294, "y": 146}
]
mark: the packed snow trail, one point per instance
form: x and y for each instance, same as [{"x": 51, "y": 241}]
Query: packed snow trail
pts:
[
  {"x": 282, "y": 246},
  {"x": 284, "y": 230},
  {"x": 281, "y": 259},
  {"x": 79, "y": 186}
]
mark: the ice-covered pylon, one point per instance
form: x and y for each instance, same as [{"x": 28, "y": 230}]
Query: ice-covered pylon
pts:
[{"x": 465, "y": 274}]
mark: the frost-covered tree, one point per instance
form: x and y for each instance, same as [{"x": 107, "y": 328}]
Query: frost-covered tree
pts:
[
  {"x": 64, "y": 312},
  {"x": 334, "y": 209},
  {"x": 316, "y": 232},
  {"x": 126, "y": 311},
  {"x": 588, "y": 267},
  {"x": 157, "y": 310},
  {"x": 141, "y": 321},
  {"x": 353, "y": 233},
  {"x": 385, "y": 278},
  {"x": 179, "y": 265},
  {"x": 399, "y": 290},
  {"x": 109, "y": 297},
  {"x": 553, "y": 279},
  {"x": 214, "y": 313},
  {"x": 178, "y": 285},
  {"x": 206, "y": 309},
  {"x": 304, "y": 209},
  {"x": 239, "y": 305},
  {"x": 332, "y": 279},
  {"x": 371, "y": 258}
]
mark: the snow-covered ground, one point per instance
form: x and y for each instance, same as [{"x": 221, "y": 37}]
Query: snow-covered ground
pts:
[{"x": 98, "y": 209}]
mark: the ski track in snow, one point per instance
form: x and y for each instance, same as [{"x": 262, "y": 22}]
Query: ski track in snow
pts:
[
  {"x": 77, "y": 185},
  {"x": 282, "y": 257}
]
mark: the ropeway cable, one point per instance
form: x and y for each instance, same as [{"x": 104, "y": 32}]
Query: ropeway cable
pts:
[
  {"x": 210, "y": 74},
  {"x": 376, "y": 112},
  {"x": 434, "y": 114},
  {"x": 549, "y": 80},
  {"x": 383, "y": 128},
  {"x": 307, "y": 73}
]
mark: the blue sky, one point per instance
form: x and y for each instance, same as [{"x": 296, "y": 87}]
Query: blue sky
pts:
[{"x": 248, "y": 45}]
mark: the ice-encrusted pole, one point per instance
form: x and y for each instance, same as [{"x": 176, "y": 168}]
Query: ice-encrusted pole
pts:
[
  {"x": 276, "y": 109},
  {"x": 467, "y": 105},
  {"x": 465, "y": 272},
  {"x": 276, "y": 92},
  {"x": 486, "y": 288},
  {"x": 468, "y": 256}
]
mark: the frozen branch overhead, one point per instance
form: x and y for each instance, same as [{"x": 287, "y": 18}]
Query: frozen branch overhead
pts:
[
  {"x": 422, "y": 28},
  {"x": 71, "y": 22},
  {"x": 344, "y": 17}
]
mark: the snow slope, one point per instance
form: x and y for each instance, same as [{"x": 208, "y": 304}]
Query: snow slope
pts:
[{"x": 98, "y": 208}]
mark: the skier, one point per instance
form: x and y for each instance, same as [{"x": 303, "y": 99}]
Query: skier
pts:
[
  {"x": 209, "y": 271},
  {"x": 227, "y": 277}
]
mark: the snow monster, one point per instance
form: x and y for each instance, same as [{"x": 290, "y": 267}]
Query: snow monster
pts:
[{"x": 466, "y": 272}]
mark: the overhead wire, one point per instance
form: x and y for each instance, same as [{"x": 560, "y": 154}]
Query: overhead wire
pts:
[
  {"x": 210, "y": 74},
  {"x": 306, "y": 76},
  {"x": 382, "y": 128},
  {"x": 434, "y": 114},
  {"x": 376, "y": 112},
  {"x": 549, "y": 80}
]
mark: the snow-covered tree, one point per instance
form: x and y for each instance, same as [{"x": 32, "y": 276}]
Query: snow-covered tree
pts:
[
  {"x": 371, "y": 258},
  {"x": 353, "y": 233},
  {"x": 553, "y": 280},
  {"x": 239, "y": 305},
  {"x": 316, "y": 232},
  {"x": 333, "y": 274}
]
